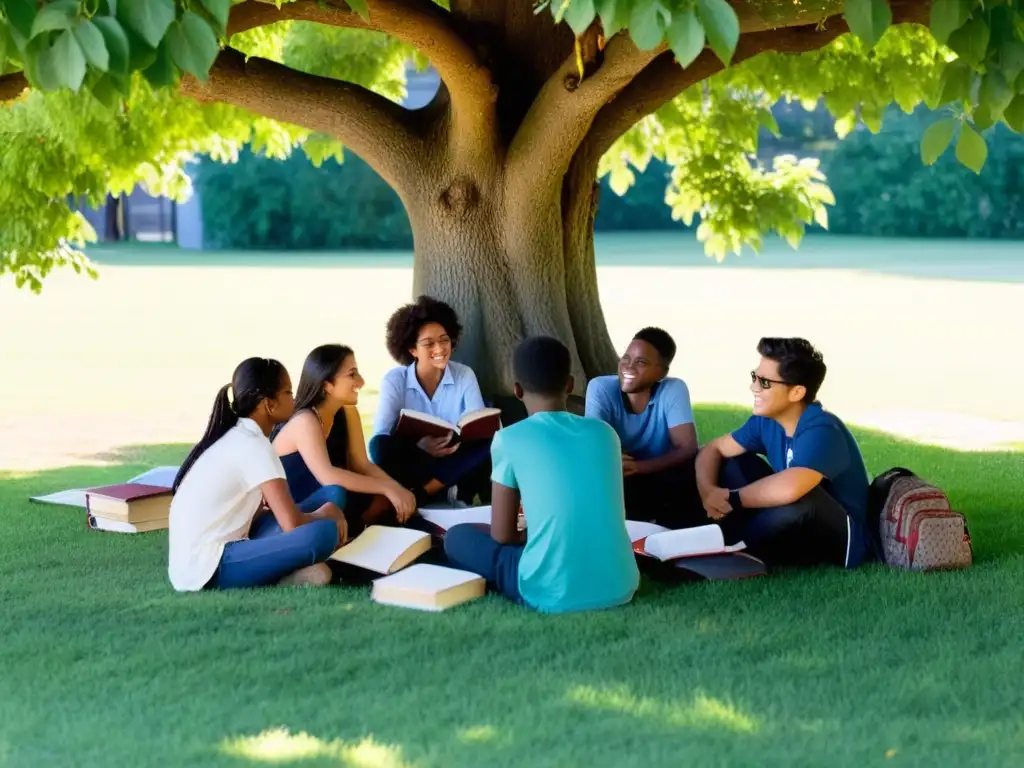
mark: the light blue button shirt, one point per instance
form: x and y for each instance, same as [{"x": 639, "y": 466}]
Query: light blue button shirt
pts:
[{"x": 457, "y": 394}]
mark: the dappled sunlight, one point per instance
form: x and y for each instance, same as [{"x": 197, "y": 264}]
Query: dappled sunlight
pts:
[
  {"x": 703, "y": 712},
  {"x": 279, "y": 746},
  {"x": 479, "y": 734}
]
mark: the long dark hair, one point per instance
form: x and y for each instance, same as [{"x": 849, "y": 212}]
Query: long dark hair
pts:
[
  {"x": 321, "y": 366},
  {"x": 253, "y": 380}
]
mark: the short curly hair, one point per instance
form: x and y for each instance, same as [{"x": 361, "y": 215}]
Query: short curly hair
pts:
[{"x": 404, "y": 326}]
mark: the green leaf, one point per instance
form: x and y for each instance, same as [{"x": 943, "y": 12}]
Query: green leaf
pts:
[
  {"x": 105, "y": 92},
  {"x": 360, "y": 7},
  {"x": 93, "y": 46},
  {"x": 868, "y": 19},
  {"x": 141, "y": 55},
  {"x": 219, "y": 10},
  {"x": 1014, "y": 115},
  {"x": 614, "y": 15},
  {"x": 116, "y": 42},
  {"x": 947, "y": 16},
  {"x": 579, "y": 15},
  {"x": 721, "y": 26},
  {"x": 161, "y": 72},
  {"x": 971, "y": 150},
  {"x": 147, "y": 18},
  {"x": 936, "y": 139},
  {"x": 192, "y": 44},
  {"x": 65, "y": 61},
  {"x": 767, "y": 120},
  {"x": 6, "y": 44},
  {"x": 22, "y": 15},
  {"x": 1011, "y": 58},
  {"x": 685, "y": 37},
  {"x": 983, "y": 118},
  {"x": 955, "y": 83},
  {"x": 970, "y": 42},
  {"x": 55, "y": 16},
  {"x": 645, "y": 24},
  {"x": 995, "y": 93}
]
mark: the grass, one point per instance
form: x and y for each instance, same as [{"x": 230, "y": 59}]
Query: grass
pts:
[{"x": 104, "y": 665}]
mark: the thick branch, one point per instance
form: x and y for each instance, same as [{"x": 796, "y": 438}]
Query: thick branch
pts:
[
  {"x": 664, "y": 79},
  {"x": 419, "y": 23},
  {"x": 378, "y": 130},
  {"x": 12, "y": 85},
  {"x": 563, "y": 111}
]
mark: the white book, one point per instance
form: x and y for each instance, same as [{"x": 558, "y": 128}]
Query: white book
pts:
[
  {"x": 688, "y": 542},
  {"x": 448, "y": 517},
  {"x": 428, "y": 588},
  {"x": 384, "y": 549},
  {"x": 640, "y": 530},
  {"x": 75, "y": 497},
  {"x": 119, "y": 526}
]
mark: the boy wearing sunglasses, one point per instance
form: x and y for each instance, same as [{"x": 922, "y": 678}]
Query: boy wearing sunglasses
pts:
[{"x": 808, "y": 503}]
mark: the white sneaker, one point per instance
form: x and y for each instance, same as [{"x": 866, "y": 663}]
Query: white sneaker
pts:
[{"x": 318, "y": 575}]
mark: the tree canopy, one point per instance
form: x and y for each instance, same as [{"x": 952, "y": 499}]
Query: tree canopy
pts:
[{"x": 126, "y": 92}]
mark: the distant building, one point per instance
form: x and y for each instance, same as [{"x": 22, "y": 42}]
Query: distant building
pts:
[{"x": 139, "y": 217}]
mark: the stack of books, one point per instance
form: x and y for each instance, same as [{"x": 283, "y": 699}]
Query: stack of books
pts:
[{"x": 128, "y": 507}]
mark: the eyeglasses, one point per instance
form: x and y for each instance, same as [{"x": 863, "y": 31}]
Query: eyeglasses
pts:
[
  {"x": 427, "y": 343},
  {"x": 764, "y": 382}
]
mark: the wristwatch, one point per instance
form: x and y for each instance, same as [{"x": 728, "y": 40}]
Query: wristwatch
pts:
[{"x": 734, "y": 500}]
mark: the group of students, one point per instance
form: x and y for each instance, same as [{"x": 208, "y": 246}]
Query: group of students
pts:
[{"x": 280, "y": 480}]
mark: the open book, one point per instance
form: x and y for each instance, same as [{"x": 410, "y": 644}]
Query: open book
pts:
[
  {"x": 475, "y": 425},
  {"x": 428, "y": 587},
  {"x": 75, "y": 497},
  {"x": 663, "y": 544},
  {"x": 384, "y": 549},
  {"x": 448, "y": 517}
]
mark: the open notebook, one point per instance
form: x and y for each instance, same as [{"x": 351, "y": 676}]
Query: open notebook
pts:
[
  {"x": 384, "y": 549},
  {"x": 428, "y": 587}
]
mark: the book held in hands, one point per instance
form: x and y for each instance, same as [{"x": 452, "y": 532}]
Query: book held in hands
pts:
[{"x": 481, "y": 424}]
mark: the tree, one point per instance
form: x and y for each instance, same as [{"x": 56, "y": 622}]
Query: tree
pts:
[{"x": 498, "y": 174}]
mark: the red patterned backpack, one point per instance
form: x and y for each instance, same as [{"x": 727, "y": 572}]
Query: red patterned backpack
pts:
[{"x": 917, "y": 528}]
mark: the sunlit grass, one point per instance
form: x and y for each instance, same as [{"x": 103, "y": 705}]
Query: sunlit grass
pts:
[
  {"x": 702, "y": 711},
  {"x": 279, "y": 746}
]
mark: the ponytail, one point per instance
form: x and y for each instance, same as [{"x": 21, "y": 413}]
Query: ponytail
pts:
[
  {"x": 254, "y": 380},
  {"x": 222, "y": 419}
]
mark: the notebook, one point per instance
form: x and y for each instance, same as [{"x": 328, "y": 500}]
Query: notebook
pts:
[
  {"x": 383, "y": 549},
  {"x": 428, "y": 588},
  {"x": 475, "y": 425}
]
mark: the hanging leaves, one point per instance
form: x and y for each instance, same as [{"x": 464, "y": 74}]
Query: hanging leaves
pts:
[
  {"x": 936, "y": 140},
  {"x": 971, "y": 150},
  {"x": 868, "y": 19}
]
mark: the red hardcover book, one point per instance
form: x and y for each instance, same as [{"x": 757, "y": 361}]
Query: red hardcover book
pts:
[
  {"x": 129, "y": 502},
  {"x": 481, "y": 424}
]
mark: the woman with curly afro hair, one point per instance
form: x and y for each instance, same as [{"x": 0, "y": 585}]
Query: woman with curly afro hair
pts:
[{"x": 421, "y": 338}]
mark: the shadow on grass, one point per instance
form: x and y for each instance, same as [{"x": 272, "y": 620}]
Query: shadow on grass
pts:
[{"x": 804, "y": 668}]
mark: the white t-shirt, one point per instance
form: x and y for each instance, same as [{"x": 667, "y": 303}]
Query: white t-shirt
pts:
[{"x": 216, "y": 502}]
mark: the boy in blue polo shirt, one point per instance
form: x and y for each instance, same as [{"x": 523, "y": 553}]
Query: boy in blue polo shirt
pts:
[
  {"x": 652, "y": 416},
  {"x": 565, "y": 470},
  {"x": 810, "y": 505}
]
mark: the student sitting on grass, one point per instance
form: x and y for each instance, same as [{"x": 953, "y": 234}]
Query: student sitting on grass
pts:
[
  {"x": 808, "y": 504},
  {"x": 323, "y": 450},
  {"x": 652, "y": 416},
  {"x": 566, "y": 471},
  {"x": 214, "y": 541},
  {"x": 422, "y": 337}
]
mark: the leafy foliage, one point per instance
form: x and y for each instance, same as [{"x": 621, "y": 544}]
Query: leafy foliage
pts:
[{"x": 104, "y": 108}]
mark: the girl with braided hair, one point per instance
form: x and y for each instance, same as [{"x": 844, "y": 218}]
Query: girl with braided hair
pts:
[{"x": 217, "y": 539}]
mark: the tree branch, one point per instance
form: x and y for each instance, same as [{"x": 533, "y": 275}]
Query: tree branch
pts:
[
  {"x": 419, "y": 23},
  {"x": 562, "y": 113},
  {"x": 664, "y": 79},
  {"x": 378, "y": 130},
  {"x": 12, "y": 85}
]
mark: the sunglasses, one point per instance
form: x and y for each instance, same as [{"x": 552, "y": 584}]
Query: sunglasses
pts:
[{"x": 766, "y": 383}]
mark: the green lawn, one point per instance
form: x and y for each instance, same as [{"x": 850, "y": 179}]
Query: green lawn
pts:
[{"x": 104, "y": 665}]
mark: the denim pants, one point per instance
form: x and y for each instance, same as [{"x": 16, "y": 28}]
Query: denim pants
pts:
[
  {"x": 270, "y": 554},
  {"x": 810, "y": 531},
  {"x": 469, "y": 467},
  {"x": 472, "y": 549}
]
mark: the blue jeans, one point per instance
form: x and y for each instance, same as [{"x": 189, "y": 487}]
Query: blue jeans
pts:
[
  {"x": 470, "y": 548},
  {"x": 810, "y": 531},
  {"x": 270, "y": 554},
  {"x": 469, "y": 467}
]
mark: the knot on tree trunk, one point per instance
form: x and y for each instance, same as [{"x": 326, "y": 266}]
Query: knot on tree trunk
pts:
[{"x": 460, "y": 197}]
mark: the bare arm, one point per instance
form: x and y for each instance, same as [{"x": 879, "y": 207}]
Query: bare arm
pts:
[
  {"x": 684, "y": 448},
  {"x": 357, "y": 456},
  {"x": 308, "y": 437},
  {"x": 780, "y": 489},
  {"x": 709, "y": 461},
  {"x": 504, "y": 513}
]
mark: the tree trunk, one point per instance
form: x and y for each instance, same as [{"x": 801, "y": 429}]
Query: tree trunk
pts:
[{"x": 512, "y": 266}]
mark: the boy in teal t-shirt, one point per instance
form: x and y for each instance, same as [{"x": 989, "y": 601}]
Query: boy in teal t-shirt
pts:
[{"x": 566, "y": 472}]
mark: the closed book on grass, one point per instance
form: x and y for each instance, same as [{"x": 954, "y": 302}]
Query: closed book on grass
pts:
[
  {"x": 383, "y": 549},
  {"x": 475, "y": 425},
  {"x": 428, "y": 587},
  {"x": 129, "y": 502},
  {"x": 118, "y": 526}
]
